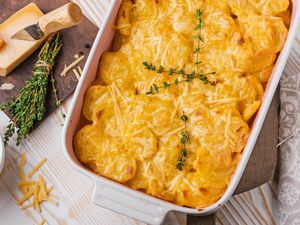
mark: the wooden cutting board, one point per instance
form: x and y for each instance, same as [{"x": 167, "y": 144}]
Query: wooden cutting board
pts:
[
  {"x": 262, "y": 164},
  {"x": 78, "y": 39}
]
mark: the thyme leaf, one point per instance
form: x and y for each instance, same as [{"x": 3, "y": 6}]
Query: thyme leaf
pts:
[
  {"x": 184, "y": 138},
  {"x": 187, "y": 77}
]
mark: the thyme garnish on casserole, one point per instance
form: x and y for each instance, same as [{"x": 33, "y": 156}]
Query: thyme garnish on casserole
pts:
[
  {"x": 185, "y": 137},
  {"x": 186, "y": 77}
]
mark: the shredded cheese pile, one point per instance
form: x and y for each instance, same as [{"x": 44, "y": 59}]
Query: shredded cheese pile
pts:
[{"x": 35, "y": 191}]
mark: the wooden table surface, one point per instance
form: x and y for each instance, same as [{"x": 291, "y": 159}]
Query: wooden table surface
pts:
[{"x": 74, "y": 190}]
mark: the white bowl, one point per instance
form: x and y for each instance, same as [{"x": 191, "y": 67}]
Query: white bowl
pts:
[{"x": 2, "y": 154}]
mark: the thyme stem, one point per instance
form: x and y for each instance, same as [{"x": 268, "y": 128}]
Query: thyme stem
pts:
[
  {"x": 186, "y": 77},
  {"x": 184, "y": 139},
  {"x": 154, "y": 88},
  {"x": 57, "y": 100},
  {"x": 199, "y": 37}
]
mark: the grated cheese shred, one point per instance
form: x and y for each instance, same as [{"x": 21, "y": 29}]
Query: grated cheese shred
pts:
[
  {"x": 79, "y": 70},
  {"x": 42, "y": 222},
  {"x": 69, "y": 67},
  {"x": 36, "y": 168},
  {"x": 76, "y": 74}
]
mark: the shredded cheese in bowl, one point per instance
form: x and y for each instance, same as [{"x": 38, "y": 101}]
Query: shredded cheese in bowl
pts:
[{"x": 171, "y": 110}]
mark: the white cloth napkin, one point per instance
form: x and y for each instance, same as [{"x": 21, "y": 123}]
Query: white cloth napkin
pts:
[
  {"x": 289, "y": 133},
  {"x": 289, "y": 176}
]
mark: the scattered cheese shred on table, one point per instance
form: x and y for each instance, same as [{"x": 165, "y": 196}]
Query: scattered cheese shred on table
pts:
[
  {"x": 35, "y": 191},
  {"x": 6, "y": 86},
  {"x": 76, "y": 74},
  {"x": 2, "y": 43},
  {"x": 36, "y": 168},
  {"x": 42, "y": 222},
  {"x": 69, "y": 67},
  {"x": 79, "y": 69}
]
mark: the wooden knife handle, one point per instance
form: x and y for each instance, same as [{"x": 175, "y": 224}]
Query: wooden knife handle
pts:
[{"x": 63, "y": 17}]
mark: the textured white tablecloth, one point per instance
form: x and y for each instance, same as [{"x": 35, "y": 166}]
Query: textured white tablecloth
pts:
[{"x": 289, "y": 177}]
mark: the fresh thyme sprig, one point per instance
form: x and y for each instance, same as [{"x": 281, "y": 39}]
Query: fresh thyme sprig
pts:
[
  {"x": 186, "y": 77},
  {"x": 29, "y": 106},
  {"x": 198, "y": 37},
  {"x": 57, "y": 100},
  {"x": 185, "y": 137}
]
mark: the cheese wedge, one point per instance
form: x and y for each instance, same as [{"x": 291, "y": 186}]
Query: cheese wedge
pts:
[{"x": 16, "y": 51}]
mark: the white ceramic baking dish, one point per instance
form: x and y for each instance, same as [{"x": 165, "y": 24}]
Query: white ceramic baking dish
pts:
[{"x": 121, "y": 199}]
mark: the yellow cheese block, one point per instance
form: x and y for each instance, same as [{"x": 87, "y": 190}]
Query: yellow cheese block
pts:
[{"x": 16, "y": 51}]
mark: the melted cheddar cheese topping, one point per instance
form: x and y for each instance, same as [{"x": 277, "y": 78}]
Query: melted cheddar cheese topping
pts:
[{"x": 134, "y": 138}]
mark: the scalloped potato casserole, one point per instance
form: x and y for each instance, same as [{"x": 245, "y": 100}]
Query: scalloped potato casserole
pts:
[{"x": 171, "y": 109}]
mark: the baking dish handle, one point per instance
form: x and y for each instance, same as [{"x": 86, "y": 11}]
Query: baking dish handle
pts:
[{"x": 124, "y": 202}]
